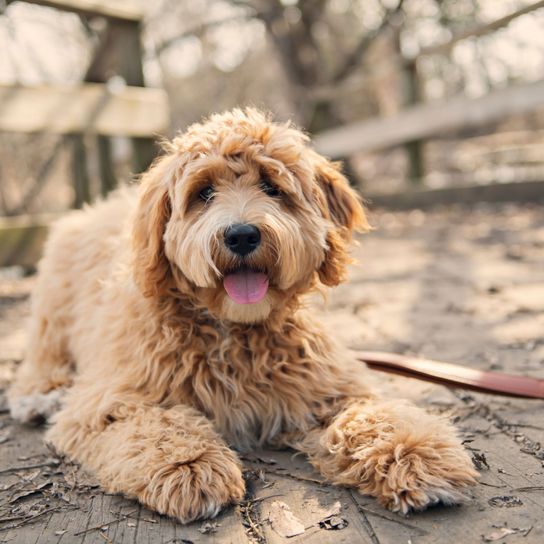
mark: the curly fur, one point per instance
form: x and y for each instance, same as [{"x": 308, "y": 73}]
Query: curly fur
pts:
[{"x": 164, "y": 372}]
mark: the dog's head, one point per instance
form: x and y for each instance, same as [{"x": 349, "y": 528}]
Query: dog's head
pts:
[{"x": 242, "y": 216}]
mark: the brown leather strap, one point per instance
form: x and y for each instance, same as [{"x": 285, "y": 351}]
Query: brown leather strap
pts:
[{"x": 454, "y": 375}]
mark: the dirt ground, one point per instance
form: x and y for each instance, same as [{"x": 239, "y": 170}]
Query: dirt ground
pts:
[{"x": 465, "y": 285}]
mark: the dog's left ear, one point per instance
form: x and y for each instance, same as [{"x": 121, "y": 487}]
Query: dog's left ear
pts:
[
  {"x": 344, "y": 208},
  {"x": 151, "y": 268}
]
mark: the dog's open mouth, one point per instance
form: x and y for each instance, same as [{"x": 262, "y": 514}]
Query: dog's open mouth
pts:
[{"x": 246, "y": 286}]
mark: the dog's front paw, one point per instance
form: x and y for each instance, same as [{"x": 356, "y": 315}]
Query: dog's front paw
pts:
[
  {"x": 416, "y": 476},
  {"x": 396, "y": 452},
  {"x": 36, "y": 407},
  {"x": 195, "y": 489}
]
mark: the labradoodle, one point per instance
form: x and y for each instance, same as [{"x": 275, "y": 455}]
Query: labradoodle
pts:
[{"x": 168, "y": 329}]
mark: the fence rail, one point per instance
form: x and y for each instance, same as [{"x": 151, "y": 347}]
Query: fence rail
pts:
[
  {"x": 88, "y": 108},
  {"x": 430, "y": 119},
  {"x": 121, "y": 10}
]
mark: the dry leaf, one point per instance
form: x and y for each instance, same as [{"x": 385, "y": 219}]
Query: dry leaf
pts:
[
  {"x": 317, "y": 513},
  {"x": 501, "y": 532},
  {"x": 333, "y": 523},
  {"x": 283, "y": 521},
  {"x": 505, "y": 501},
  {"x": 208, "y": 527}
]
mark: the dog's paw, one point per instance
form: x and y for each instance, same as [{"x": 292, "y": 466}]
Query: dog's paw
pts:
[
  {"x": 197, "y": 489},
  {"x": 413, "y": 473},
  {"x": 36, "y": 407},
  {"x": 396, "y": 452},
  {"x": 413, "y": 479}
]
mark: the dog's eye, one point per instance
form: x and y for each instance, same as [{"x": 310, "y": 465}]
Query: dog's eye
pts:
[
  {"x": 207, "y": 193},
  {"x": 268, "y": 188}
]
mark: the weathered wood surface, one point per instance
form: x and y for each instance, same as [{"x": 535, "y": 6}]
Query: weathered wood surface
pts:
[
  {"x": 518, "y": 191},
  {"x": 426, "y": 120},
  {"x": 462, "y": 285},
  {"x": 122, "y": 10},
  {"x": 22, "y": 238},
  {"x": 86, "y": 108}
]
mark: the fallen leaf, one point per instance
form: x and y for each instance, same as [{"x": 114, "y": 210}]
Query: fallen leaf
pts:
[
  {"x": 208, "y": 527},
  {"x": 505, "y": 531},
  {"x": 480, "y": 461},
  {"x": 505, "y": 501},
  {"x": 334, "y": 523},
  {"x": 283, "y": 521},
  {"x": 267, "y": 460},
  {"x": 318, "y": 513},
  {"x": 497, "y": 535}
]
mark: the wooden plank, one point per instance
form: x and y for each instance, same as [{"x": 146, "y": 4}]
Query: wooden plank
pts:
[
  {"x": 88, "y": 108},
  {"x": 430, "y": 119},
  {"x": 427, "y": 301},
  {"x": 122, "y": 10},
  {"x": 528, "y": 191},
  {"x": 22, "y": 239},
  {"x": 289, "y": 479}
]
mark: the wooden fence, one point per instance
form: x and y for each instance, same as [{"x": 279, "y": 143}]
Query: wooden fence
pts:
[
  {"x": 419, "y": 121},
  {"x": 92, "y": 108}
]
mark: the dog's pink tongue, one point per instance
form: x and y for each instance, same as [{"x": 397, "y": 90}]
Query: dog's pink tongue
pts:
[{"x": 246, "y": 287}]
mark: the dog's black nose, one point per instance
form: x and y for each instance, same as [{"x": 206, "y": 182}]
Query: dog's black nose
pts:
[{"x": 242, "y": 239}]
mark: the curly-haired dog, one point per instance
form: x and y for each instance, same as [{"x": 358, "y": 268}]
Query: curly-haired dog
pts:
[{"x": 173, "y": 319}]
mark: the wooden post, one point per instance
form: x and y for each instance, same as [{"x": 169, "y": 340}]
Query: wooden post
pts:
[
  {"x": 130, "y": 67},
  {"x": 120, "y": 53},
  {"x": 414, "y": 148},
  {"x": 108, "y": 181},
  {"x": 80, "y": 175}
]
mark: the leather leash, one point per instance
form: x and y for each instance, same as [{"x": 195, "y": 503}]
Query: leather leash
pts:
[{"x": 454, "y": 375}]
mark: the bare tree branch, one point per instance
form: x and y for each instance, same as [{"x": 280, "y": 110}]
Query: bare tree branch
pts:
[
  {"x": 480, "y": 30},
  {"x": 199, "y": 30},
  {"x": 354, "y": 58}
]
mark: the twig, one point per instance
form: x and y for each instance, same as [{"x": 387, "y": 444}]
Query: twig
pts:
[
  {"x": 260, "y": 499},
  {"x": 367, "y": 39},
  {"x": 99, "y": 527},
  {"x": 394, "y": 520},
  {"x": 106, "y": 538},
  {"x": 491, "y": 485},
  {"x": 26, "y": 520},
  {"x": 253, "y": 525},
  {"x": 298, "y": 478},
  {"x": 51, "y": 463}
]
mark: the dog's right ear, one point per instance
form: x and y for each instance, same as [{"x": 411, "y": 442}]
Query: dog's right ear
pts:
[{"x": 151, "y": 268}]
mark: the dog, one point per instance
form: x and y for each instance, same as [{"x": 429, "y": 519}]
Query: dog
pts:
[{"x": 169, "y": 326}]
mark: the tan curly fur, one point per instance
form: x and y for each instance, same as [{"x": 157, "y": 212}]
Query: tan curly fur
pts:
[{"x": 164, "y": 372}]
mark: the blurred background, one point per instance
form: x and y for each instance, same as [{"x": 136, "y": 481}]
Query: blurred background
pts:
[{"x": 417, "y": 97}]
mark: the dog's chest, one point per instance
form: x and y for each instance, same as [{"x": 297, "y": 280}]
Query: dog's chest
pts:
[{"x": 252, "y": 388}]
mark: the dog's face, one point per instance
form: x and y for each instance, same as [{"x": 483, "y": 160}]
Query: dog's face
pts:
[{"x": 241, "y": 216}]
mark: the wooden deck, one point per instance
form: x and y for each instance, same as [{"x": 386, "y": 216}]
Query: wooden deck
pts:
[{"x": 464, "y": 285}]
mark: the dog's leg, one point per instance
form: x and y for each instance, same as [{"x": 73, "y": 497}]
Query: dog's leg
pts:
[
  {"x": 47, "y": 368},
  {"x": 171, "y": 460},
  {"x": 394, "y": 451}
]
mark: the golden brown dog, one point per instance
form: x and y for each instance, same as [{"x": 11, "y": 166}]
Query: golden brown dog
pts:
[{"x": 172, "y": 319}]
